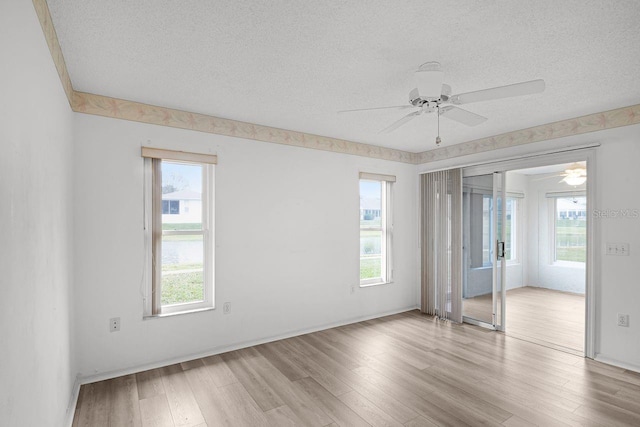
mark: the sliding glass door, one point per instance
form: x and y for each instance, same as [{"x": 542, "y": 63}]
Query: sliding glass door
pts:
[{"x": 484, "y": 264}]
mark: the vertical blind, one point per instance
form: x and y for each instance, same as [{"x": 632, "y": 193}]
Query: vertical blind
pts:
[{"x": 441, "y": 244}]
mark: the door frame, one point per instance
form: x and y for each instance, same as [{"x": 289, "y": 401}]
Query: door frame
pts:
[
  {"x": 587, "y": 154},
  {"x": 499, "y": 273}
]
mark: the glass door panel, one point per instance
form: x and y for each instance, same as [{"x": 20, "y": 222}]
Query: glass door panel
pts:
[
  {"x": 478, "y": 250},
  {"x": 483, "y": 250}
]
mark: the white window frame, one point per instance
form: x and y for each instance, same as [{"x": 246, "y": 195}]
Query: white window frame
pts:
[
  {"x": 553, "y": 211},
  {"x": 386, "y": 227},
  {"x": 153, "y": 230}
]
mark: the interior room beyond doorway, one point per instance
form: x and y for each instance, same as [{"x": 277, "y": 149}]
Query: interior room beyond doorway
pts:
[{"x": 545, "y": 239}]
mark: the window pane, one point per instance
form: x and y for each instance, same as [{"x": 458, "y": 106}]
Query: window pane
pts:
[
  {"x": 181, "y": 196},
  {"x": 487, "y": 212},
  {"x": 571, "y": 229},
  {"x": 370, "y": 203},
  {"x": 510, "y": 238},
  {"x": 370, "y": 254},
  {"x": 174, "y": 207},
  {"x": 371, "y": 230},
  {"x": 182, "y": 269}
]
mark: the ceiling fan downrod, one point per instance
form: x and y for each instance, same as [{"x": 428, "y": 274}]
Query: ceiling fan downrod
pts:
[{"x": 438, "y": 139}]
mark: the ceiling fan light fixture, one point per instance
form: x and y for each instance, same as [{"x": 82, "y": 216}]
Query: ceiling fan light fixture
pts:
[
  {"x": 576, "y": 169},
  {"x": 575, "y": 180},
  {"x": 576, "y": 174}
]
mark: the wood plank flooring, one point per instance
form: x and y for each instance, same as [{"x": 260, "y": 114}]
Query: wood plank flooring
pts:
[
  {"x": 408, "y": 369},
  {"x": 539, "y": 315}
]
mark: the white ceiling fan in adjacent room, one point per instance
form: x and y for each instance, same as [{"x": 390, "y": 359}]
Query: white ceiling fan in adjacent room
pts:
[
  {"x": 575, "y": 175},
  {"x": 432, "y": 95}
]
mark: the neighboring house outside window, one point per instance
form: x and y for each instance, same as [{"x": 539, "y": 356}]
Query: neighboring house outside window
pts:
[
  {"x": 170, "y": 207},
  {"x": 179, "y": 204}
]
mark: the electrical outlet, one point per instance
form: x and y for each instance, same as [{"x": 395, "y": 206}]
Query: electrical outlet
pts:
[
  {"x": 623, "y": 320},
  {"x": 114, "y": 324},
  {"x": 226, "y": 308},
  {"x": 353, "y": 289}
]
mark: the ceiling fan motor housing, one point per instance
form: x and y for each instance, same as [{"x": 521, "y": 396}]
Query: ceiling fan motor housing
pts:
[{"x": 429, "y": 103}]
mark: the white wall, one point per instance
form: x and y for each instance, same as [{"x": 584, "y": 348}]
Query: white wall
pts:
[
  {"x": 619, "y": 290},
  {"x": 543, "y": 272},
  {"x": 37, "y": 369},
  {"x": 616, "y": 284},
  {"x": 290, "y": 269}
]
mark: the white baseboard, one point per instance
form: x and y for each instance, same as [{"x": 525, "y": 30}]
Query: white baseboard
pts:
[
  {"x": 223, "y": 349},
  {"x": 73, "y": 401},
  {"x": 611, "y": 361}
]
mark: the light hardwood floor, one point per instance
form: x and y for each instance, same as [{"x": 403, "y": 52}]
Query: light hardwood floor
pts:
[
  {"x": 543, "y": 316},
  {"x": 407, "y": 369}
]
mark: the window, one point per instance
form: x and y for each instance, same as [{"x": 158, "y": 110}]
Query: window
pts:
[
  {"x": 511, "y": 231},
  {"x": 487, "y": 222},
  {"x": 570, "y": 229},
  {"x": 181, "y": 259},
  {"x": 375, "y": 228},
  {"x": 170, "y": 207}
]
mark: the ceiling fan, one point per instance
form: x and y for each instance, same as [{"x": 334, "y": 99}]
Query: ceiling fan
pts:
[
  {"x": 432, "y": 95},
  {"x": 574, "y": 175}
]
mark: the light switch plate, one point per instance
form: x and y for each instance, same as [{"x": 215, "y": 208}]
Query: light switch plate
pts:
[{"x": 618, "y": 249}]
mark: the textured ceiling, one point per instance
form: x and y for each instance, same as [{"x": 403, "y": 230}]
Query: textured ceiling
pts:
[{"x": 294, "y": 64}]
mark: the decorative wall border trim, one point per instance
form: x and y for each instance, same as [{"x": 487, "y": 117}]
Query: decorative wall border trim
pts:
[
  {"x": 134, "y": 111},
  {"x": 619, "y": 117},
  {"x": 44, "y": 16},
  {"x": 137, "y": 112}
]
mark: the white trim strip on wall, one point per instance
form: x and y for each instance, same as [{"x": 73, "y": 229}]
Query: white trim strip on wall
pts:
[
  {"x": 377, "y": 177},
  {"x": 556, "y": 194},
  {"x": 157, "y": 153}
]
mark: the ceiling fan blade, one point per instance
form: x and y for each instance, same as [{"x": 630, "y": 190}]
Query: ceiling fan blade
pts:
[
  {"x": 397, "y": 107},
  {"x": 463, "y": 116},
  {"x": 542, "y": 178},
  {"x": 397, "y": 124},
  {"x": 429, "y": 78},
  {"x": 517, "y": 89}
]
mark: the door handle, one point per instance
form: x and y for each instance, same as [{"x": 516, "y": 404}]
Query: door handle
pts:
[{"x": 500, "y": 250}]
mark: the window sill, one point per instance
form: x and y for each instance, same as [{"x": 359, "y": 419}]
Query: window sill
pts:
[
  {"x": 569, "y": 264},
  {"x": 177, "y": 313},
  {"x": 368, "y": 285}
]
